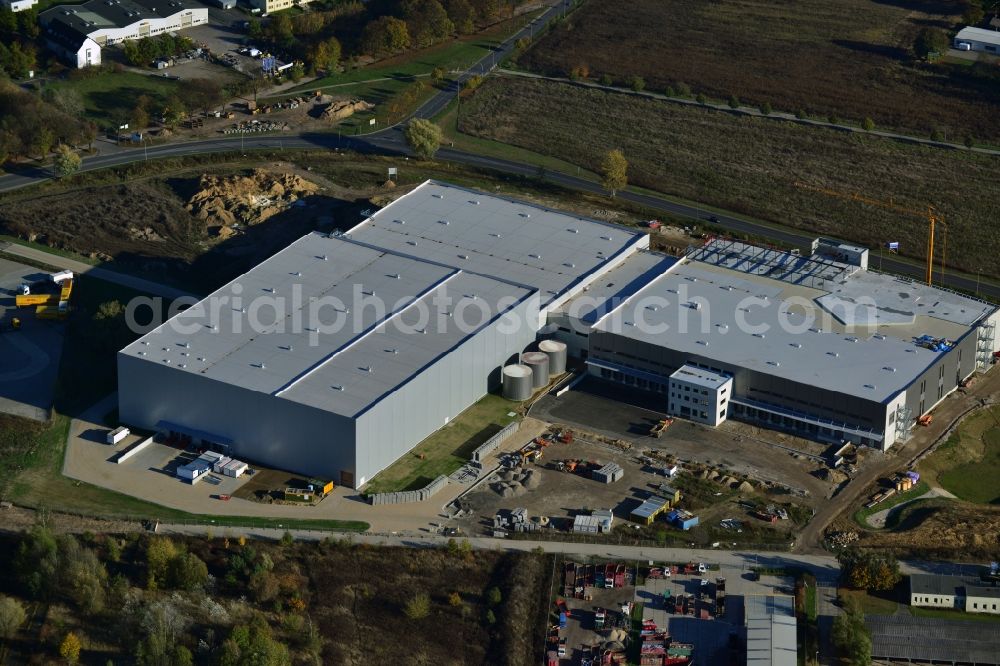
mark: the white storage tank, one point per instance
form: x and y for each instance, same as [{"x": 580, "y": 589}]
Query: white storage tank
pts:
[
  {"x": 517, "y": 382},
  {"x": 556, "y": 351},
  {"x": 539, "y": 364}
]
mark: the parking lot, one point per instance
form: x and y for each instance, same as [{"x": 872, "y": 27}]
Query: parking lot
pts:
[{"x": 29, "y": 357}]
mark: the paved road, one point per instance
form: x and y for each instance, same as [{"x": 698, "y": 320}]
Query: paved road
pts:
[
  {"x": 391, "y": 141},
  {"x": 78, "y": 267}
]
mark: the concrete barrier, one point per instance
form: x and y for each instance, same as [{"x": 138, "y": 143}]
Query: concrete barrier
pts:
[
  {"x": 494, "y": 442},
  {"x": 409, "y": 496},
  {"x": 128, "y": 453}
]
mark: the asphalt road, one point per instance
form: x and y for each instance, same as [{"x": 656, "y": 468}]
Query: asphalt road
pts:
[{"x": 391, "y": 141}]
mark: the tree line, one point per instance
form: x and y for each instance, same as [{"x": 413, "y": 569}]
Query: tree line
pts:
[
  {"x": 31, "y": 126},
  {"x": 381, "y": 28}
]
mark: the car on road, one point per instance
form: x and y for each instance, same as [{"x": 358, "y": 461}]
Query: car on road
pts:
[
  {"x": 714, "y": 219},
  {"x": 702, "y": 567}
]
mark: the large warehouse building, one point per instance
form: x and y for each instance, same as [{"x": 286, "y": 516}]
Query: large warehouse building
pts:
[
  {"x": 435, "y": 293},
  {"x": 816, "y": 345}
]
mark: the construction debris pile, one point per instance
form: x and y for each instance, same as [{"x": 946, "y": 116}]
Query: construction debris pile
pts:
[
  {"x": 339, "y": 109},
  {"x": 513, "y": 482},
  {"x": 255, "y": 126},
  {"x": 223, "y": 202}
]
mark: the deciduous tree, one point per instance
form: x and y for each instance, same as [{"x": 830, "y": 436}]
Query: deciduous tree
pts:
[
  {"x": 12, "y": 616},
  {"x": 930, "y": 40},
  {"x": 69, "y": 649},
  {"x": 614, "y": 171},
  {"x": 384, "y": 36},
  {"x": 423, "y": 137}
]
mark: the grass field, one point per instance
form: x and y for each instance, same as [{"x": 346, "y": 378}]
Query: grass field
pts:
[
  {"x": 869, "y": 603},
  {"x": 751, "y": 165},
  {"x": 848, "y": 58},
  {"x": 861, "y": 515},
  {"x": 447, "y": 449},
  {"x": 968, "y": 464},
  {"x": 109, "y": 97},
  {"x": 458, "y": 54}
]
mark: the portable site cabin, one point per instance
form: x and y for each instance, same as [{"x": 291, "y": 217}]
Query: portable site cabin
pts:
[
  {"x": 647, "y": 512},
  {"x": 234, "y": 468},
  {"x": 117, "y": 435},
  {"x": 608, "y": 473}
]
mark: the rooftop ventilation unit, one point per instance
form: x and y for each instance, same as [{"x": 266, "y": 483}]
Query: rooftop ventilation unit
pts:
[
  {"x": 774, "y": 363},
  {"x": 569, "y": 264},
  {"x": 337, "y": 387},
  {"x": 870, "y": 386},
  {"x": 535, "y": 256},
  {"x": 400, "y": 221},
  {"x": 573, "y": 231},
  {"x": 833, "y": 354},
  {"x": 888, "y": 368},
  {"x": 445, "y": 222},
  {"x": 368, "y": 369},
  {"x": 759, "y": 335},
  {"x": 797, "y": 345},
  {"x": 463, "y": 256},
  {"x": 412, "y": 242}
]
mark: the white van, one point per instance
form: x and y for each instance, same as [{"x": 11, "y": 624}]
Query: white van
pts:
[{"x": 963, "y": 46}]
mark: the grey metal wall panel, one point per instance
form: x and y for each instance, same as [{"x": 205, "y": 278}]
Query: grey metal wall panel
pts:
[
  {"x": 943, "y": 376},
  {"x": 747, "y": 383},
  {"x": 264, "y": 429},
  {"x": 442, "y": 391}
]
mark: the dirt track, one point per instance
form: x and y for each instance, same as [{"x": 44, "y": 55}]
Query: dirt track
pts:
[{"x": 945, "y": 415}]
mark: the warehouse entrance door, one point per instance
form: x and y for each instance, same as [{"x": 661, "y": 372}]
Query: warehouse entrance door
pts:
[{"x": 347, "y": 479}]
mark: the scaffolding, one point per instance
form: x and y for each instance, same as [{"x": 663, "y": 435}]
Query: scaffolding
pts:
[
  {"x": 775, "y": 264},
  {"x": 903, "y": 417},
  {"x": 985, "y": 343}
]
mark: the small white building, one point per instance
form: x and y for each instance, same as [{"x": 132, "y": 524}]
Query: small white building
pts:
[
  {"x": 19, "y": 5},
  {"x": 981, "y": 599},
  {"x": 698, "y": 394},
  {"x": 978, "y": 39}
]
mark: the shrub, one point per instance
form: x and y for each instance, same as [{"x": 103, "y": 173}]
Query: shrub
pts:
[
  {"x": 637, "y": 83},
  {"x": 734, "y": 102},
  {"x": 801, "y": 115},
  {"x": 606, "y": 80},
  {"x": 969, "y": 142},
  {"x": 765, "y": 108},
  {"x": 454, "y": 599},
  {"x": 670, "y": 92},
  {"x": 418, "y": 607},
  {"x": 868, "y": 124},
  {"x": 936, "y": 135},
  {"x": 700, "y": 98},
  {"x": 493, "y": 596},
  {"x": 683, "y": 89}
]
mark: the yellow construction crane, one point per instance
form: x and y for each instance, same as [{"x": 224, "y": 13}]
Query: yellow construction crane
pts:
[{"x": 930, "y": 214}]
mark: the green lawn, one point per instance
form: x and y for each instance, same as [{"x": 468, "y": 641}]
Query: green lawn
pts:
[
  {"x": 945, "y": 614},
  {"x": 870, "y": 604},
  {"x": 861, "y": 515},
  {"x": 811, "y": 610},
  {"x": 447, "y": 449},
  {"x": 108, "y": 97},
  {"x": 458, "y": 54},
  {"x": 968, "y": 464}
]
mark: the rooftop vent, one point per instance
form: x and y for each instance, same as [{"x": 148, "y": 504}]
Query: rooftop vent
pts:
[
  {"x": 337, "y": 387},
  {"x": 496, "y": 235},
  {"x": 759, "y": 335},
  {"x": 535, "y": 256},
  {"x": 569, "y": 264},
  {"x": 833, "y": 354},
  {"x": 142, "y": 353},
  {"x": 888, "y": 368},
  {"x": 474, "y": 202},
  {"x": 400, "y": 221},
  {"x": 395, "y": 276},
  {"x": 438, "y": 196},
  {"x": 870, "y": 386},
  {"x": 463, "y": 256},
  {"x": 704, "y": 343},
  {"x": 607, "y": 238},
  {"x": 525, "y": 214},
  {"x": 261, "y": 365},
  {"x": 367, "y": 369},
  {"x": 573, "y": 231},
  {"x": 412, "y": 242},
  {"x": 166, "y": 360},
  {"x": 797, "y": 345},
  {"x": 445, "y": 222},
  {"x": 181, "y": 365},
  {"x": 324, "y": 257},
  {"x": 774, "y": 363}
]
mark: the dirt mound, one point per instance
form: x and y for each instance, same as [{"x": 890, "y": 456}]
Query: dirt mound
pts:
[
  {"x": 940, "y": 528},
  {"x": 344, "y": 108},
  {"x": 745, "y": 487},
  {"x": 222, "y": 201}
]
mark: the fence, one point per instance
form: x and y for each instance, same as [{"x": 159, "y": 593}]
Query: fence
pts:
[
  {"x": 407, "y": 496},
  {"x": 134, "y": 450},
  {"x": 493, "y": 442}
]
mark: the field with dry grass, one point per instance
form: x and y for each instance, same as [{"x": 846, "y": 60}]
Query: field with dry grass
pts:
[
  {"x": 847, "y": 58},
  {"x": 751, "y": 165}
]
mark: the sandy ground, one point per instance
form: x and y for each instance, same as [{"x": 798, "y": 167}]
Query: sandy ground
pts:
[{"x": 148, "y": 475}]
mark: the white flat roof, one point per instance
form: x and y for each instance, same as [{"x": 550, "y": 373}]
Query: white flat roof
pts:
[
  {"x": 694, "y": 375},
  {"x": 743, "y": 320},
  {"x": 512, "y": 240},
  {"x": 264, "y": 333}
]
